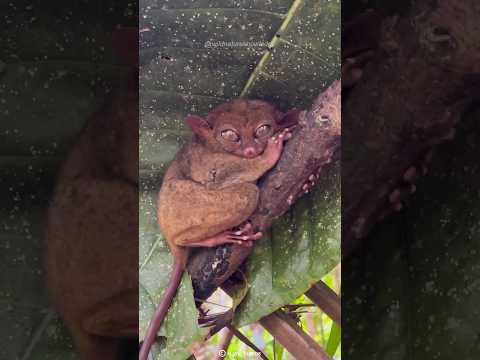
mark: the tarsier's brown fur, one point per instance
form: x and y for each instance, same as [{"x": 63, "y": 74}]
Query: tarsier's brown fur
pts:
[
  {"x": 210, "y": 188},
  {"x": 92, "y": 230},
  {"x": 92, "y": 237}
]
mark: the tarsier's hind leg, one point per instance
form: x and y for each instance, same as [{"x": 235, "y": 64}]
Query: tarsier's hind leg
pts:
[
  {"x": 242, "y": 236},
  {"x": 189, "y": 214}
]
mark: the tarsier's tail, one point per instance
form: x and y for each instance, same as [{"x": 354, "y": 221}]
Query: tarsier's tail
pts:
[{"x": 162, "y": 309}]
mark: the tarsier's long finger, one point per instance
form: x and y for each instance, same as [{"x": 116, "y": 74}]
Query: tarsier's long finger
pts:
[
  {"x": 310, "y": 183},
  {"x": 305, "y": 189},
  {"x": 237, "y": 242},
  {"x": 245, "y": 229},
  {"x": 399, "y": 195},
  {"x": 246, "y": 243},
  {"x": 256, "y": 236},
  {"x": 286, "y": 136},
  {"x": 283, "y": 136}
]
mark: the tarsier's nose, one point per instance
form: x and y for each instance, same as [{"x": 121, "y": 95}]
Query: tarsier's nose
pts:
[{"x": 249, "y": 152}]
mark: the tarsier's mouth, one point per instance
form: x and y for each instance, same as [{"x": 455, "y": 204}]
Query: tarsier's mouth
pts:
[{"x": 250, "y": 152}]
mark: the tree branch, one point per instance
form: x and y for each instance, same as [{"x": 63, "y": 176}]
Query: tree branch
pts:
[{"x": 411, "y": 96}]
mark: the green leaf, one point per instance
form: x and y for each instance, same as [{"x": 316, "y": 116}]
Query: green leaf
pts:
[
  {"x": 415, "y": 292},
  {"x": 334, "y": 339},
  {"x": 278, "y": 349},
  {"x": 302, "y": 247},
  {"x": 180, "y": 76}
]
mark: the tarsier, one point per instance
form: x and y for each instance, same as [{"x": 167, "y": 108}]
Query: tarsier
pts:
[
  {"x": 92, "y": 224},
  {"x": 209, "y": 191}
]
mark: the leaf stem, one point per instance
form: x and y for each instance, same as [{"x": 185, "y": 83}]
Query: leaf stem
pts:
[
  {"x": 38, "y": 334},
  {"x": 297, "y": 4}
]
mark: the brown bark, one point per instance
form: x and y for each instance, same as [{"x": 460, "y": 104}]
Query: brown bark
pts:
[
  {"x": 327, "y": 300},
  {"x": 411, "y": 96},
  {"x": 285, "y": 330},
  {"x": 315, "y": 143}
]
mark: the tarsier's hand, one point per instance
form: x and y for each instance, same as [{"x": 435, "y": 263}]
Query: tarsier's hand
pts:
[
  {"x": 275, "y": 146},
  {"x": 352, "y": 68}
]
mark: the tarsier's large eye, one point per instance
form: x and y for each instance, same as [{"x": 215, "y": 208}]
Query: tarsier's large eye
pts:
[
  {"x": 230, "y": 135},
  {"x": 262, "y": 131}
]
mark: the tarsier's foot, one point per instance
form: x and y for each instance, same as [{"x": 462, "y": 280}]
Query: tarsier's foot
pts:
[
  {"x": 398, "y": 198},
  {"x": 305, "y": 189},
  {"x": 309, "y": 184},
  {"x": 243, "y": 236}
]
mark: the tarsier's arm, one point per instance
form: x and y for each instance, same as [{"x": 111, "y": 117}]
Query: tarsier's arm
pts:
[{"x": 237, "y": 170}]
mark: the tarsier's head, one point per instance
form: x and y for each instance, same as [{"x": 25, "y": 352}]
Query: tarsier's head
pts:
[{"x": 241, "y": 127}]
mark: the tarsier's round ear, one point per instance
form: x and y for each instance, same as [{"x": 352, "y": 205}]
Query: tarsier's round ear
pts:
[
  {"x": 290, "y": 118},
  {"x": 199, "y": 125}
]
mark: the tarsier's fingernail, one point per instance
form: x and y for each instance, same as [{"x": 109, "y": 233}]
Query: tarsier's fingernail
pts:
[
  {"x": 394, "y": 196},
  {"x": 290, "y": 200},
  {"x": 424, "y": 170},
  {"x": 413, "y": 188},
  {"x": 409, "y": 175},
  {"x": 238, "y": 233},
  {"x": 311, "y": 177},
  {"x": 305, "y": 187},
  {"x": 398, "y": 206}
]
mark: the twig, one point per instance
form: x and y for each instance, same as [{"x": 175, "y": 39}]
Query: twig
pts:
[
  {"x": 246, "y": 341},
  {"x": 38, "y": 334},
  {"x": 327, "y": 300},
  {"x": 292, "y": 337}
]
